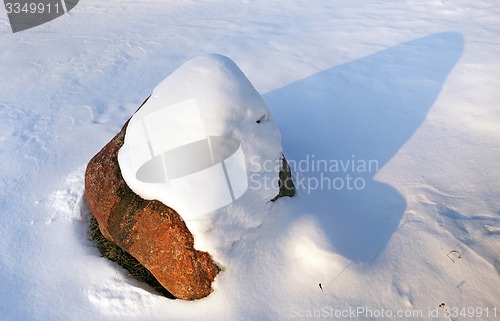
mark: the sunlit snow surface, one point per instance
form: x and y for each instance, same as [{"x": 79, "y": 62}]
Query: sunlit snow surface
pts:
[{"x": 411, "y": 86}]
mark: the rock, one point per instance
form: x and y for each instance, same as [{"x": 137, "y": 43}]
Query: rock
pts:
[
  {"x": 150, "y": 231},
  {"x": 287, "y": 188},
  {"x": 202, "y": 141}
]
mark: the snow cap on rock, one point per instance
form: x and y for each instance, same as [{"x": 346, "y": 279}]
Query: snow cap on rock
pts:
[{"x": 193, "y": 144}]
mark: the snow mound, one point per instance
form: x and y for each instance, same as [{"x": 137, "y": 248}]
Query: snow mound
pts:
[{"x": 201, "y": 141}]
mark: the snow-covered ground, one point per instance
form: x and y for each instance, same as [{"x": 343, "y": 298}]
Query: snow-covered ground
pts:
[{"x": 392, "y": 105}]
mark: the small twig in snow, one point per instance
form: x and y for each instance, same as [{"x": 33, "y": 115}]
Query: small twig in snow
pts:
[{"x": 459, "y": 255}]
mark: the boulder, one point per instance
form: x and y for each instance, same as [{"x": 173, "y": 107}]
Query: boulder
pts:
[{"x": 190, "y": 149}]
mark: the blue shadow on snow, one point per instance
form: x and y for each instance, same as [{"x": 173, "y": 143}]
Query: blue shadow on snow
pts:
[{"x": 361, "y": 112}]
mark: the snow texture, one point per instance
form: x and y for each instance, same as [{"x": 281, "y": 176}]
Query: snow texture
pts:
[{"x": 396, "y": 100}]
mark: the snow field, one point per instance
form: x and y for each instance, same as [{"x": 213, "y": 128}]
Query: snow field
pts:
[{"x": 411, "y": 84}]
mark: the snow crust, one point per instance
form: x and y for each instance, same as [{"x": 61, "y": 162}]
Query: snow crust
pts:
[{"x": 410, "y": 84}]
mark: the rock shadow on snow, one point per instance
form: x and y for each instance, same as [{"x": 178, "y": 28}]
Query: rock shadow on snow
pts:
[{"x": 351, "y": 114}]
